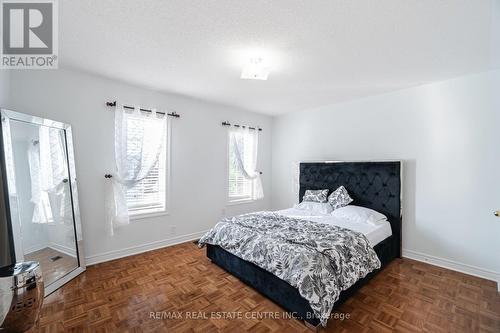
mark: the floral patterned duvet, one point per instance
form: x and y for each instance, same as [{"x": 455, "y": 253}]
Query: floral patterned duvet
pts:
[{"x": 320, "y": 260}]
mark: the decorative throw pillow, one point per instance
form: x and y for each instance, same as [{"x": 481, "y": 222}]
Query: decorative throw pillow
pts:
[
  {"x": 323, "y": 208},
  {"x": 339, "y": 198},
  {"x": 315, "y": 195}
]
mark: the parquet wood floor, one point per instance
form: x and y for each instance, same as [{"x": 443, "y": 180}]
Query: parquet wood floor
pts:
[
  {"x": 119, "y": 296},
  {"x": 52, "y": 270}
]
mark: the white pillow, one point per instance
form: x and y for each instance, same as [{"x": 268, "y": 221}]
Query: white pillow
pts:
[
  {"x": 359, "y": 214},
  {"x": 315, "y": 207}
]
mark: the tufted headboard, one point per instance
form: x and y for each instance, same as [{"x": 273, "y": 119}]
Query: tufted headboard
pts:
[{"x": 375, "y": 185}]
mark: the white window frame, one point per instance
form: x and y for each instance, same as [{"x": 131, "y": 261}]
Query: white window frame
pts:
[
  {"x": 139, "y": 215},
  {"x": 234, "y": 200}
]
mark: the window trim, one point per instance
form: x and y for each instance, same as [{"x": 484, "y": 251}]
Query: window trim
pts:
[
  {"x": 240, "y": 202},
  {"x": 140, "y": 216},
  {"x": 163, "y": 212},
  {"x": 231, "y": 201}
]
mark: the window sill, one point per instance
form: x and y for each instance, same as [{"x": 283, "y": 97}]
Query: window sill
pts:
[
  {"x": 241, "y": 202},
  {"x": 141, "y": 216}
]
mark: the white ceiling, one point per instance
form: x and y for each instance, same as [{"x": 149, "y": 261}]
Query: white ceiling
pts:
[{"x": 321, "y": 52}]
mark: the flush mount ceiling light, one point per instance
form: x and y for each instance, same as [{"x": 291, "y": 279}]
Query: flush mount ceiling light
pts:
[{"x": 255, "y": 69}]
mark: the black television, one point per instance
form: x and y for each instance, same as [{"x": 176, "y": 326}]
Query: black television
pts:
[{"x": 7, "y": 254}]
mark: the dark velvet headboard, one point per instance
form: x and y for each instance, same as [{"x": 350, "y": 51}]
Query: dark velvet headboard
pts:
[{"x": 375, "y": 185}]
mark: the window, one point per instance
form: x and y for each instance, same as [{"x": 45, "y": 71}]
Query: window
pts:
[
  {"x": 243, "y": 179},
  {"x": 148, "y": 196}
]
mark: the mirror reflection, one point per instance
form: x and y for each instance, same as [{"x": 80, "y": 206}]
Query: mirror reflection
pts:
[{"x": 42, "y": 193}]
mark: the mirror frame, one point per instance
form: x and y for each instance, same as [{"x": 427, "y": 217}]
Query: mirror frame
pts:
[{"x": 6, "y": 117}]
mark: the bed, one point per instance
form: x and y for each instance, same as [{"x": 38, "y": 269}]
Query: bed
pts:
[{"x": 374, "y": 185}]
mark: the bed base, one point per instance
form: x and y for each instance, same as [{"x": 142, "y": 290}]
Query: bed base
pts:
[
  {"x": 281, "y": 292},
  {"x": 311, "y": 327}
]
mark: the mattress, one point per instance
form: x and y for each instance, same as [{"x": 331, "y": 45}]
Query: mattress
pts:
[{"x": 374, "y": 233}]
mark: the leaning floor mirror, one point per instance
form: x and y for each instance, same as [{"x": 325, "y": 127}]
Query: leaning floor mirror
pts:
[{"x": 43, "y": 200}]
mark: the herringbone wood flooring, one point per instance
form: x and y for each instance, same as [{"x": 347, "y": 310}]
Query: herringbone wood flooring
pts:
[{"x": 118, "y": 296}]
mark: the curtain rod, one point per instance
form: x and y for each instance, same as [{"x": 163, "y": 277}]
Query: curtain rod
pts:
[
  {"x": 225, "y": 123},
  {"x": 173, "y": 114}
]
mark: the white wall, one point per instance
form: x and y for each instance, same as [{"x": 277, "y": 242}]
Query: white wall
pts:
[
  {"x": 198, "y": 197},
  {"x": 4, "y": 86},
  {"x": 447, "y": 133}
]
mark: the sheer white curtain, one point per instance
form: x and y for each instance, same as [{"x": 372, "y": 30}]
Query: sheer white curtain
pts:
[
  {"x": 48, "y": 170},
  {"x": 244, "y": 144},
  {"x": 139, "y": 139}
]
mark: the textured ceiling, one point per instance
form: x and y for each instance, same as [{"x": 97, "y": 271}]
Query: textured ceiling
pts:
[{"x": 320, "y": 52}]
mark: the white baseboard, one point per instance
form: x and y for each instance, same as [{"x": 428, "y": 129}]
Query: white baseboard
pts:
[
  {"x": 111, "y": 255},
  {"x": 454, "y": 266},
  {"x": 64, "y": 249},
  {"x": 60, "y": 248},
  {"x": 35, "y": 248}
]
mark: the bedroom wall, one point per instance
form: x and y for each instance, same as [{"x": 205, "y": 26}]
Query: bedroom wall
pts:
[
  {"x": 448, "y": 135},
  {"x": 198, "y": 156},
  {"x": 4, "y": 86}
]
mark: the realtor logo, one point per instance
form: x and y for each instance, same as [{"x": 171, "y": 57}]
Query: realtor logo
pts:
[{"x": 29, "y": 34}]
